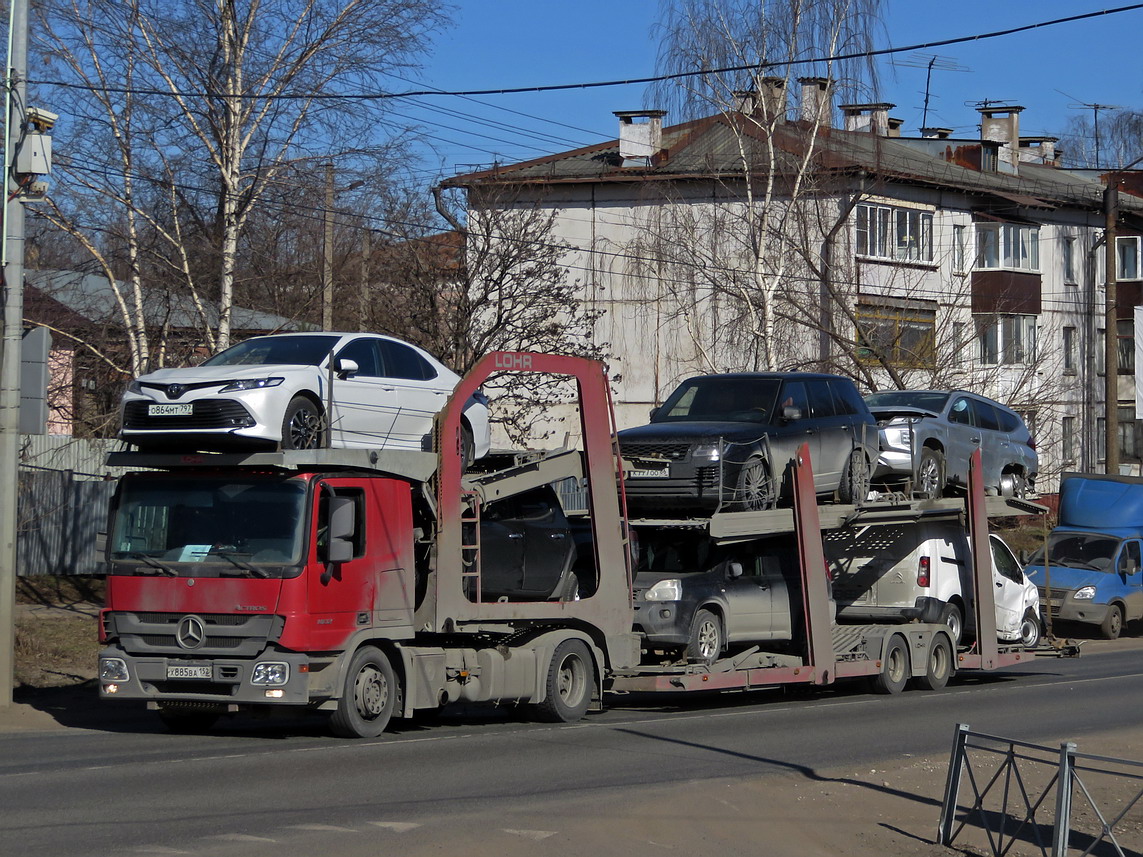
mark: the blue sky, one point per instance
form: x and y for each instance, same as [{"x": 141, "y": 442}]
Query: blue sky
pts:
[{"x": 511, "y": 43}]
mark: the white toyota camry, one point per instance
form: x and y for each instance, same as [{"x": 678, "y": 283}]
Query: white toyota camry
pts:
[{"x": 275, "y": 391}]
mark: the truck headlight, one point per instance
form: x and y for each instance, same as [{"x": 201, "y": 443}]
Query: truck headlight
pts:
[
  {"x": 251, "y": 384},
  {"x": 665, "y": 590},
  {"x": 113, "y": 669},
  {"x": 1085, "y": 593},
  {"x": 270, "y": 673}
]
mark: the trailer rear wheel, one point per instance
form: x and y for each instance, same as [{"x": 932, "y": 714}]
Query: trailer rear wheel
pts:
[
  {"x": 368, "y": 698},
  {"x": 894, "y": 668},
  {"x": 939, "y": 667},
  {"x": 571, "y": 677}
]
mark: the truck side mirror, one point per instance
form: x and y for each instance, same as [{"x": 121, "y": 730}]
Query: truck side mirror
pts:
[{"x": 341, "y": 528}]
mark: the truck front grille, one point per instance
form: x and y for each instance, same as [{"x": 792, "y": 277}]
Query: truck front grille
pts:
[{"x": 225, "y": 634}]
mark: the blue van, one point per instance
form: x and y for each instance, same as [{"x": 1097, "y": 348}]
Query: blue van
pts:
[{"x": 1092, "y": 573}]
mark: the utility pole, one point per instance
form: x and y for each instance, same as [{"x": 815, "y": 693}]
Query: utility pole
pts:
[
  {"x": 12, "y": 261},
  {"x": 327, "y": 254}
]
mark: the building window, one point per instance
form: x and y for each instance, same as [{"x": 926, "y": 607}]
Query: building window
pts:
[
  {"x": 1069, "y": 349},
  {"x": 901, "y": 234},
  {"x": 903, "y": 336},
  {"x": 1127, "y": 445},
  {"x": 1101, "y": 438},
  {"x": 1068, "y": 248},
  {"x": 1126, "y": 346},
  {"x": 1127, "y": 255},
  {"x": 1007, "y": 340},
  {"x": 959, "y": 256},
  {"x": 960, "y": 344},
  {"x": 1068, "y": 439},
  {"x": 1100, "y": 351},
  {"x": 1007, "y": 245}
]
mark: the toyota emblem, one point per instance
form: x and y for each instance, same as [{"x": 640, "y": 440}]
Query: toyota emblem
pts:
[
  {"x": 191, "y": 632},
  {"x": 175, "y": 390}
]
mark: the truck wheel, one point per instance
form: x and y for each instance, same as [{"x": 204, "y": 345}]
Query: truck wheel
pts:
[
  {"x": 952, "y": 617},
  {"x": 302, "y": 425},
  {"x": 939, "y": 667},
  {"x": 894, "y": 668},
  {"x": 571, "y": 677},
  {"x": 854, "y": 486},
  {"x": 187, "y": 721},
  {"x": 1112, "y": 623},
  {"x": 755, "y": 488},
  {"x": 1030, "y": 630},
  {"x": 930, "y": 483},
  {"x": 368, "y": 698},
  {"x": 705, "y": 644}
]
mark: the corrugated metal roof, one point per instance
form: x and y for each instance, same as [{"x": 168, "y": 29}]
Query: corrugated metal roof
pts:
[{"x": 716, "y": 147}]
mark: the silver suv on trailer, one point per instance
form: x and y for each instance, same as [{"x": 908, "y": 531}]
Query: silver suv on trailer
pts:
[{"x": 928, "y": 436}]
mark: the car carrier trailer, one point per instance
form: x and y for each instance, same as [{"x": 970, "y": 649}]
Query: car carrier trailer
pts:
[{"x": 350, "y": 582}]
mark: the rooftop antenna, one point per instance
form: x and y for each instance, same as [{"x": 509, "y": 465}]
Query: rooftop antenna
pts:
[
  {"x": 1094, "y": 108},
  {"x": 929, "y": 62}
]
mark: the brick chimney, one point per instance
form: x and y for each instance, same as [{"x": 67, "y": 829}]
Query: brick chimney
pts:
[
  {"x": 640, "y": 141},
  {"x": 936, "y": 133},
  {"x": 1001, "y": 124},
  {"x": 767, "y": 101},
  {"x": 1039, "y": 150}
]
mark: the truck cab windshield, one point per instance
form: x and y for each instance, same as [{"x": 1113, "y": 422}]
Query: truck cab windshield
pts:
[
  {"x": 1093, "y": 551},
  {"x": 207, "y": 527}
]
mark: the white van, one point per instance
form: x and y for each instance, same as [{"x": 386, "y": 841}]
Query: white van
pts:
[{"x": 923, "y": 570}]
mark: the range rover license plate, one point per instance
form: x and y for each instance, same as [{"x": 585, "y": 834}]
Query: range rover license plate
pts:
[
  {"x": 184, "y": 410},
  {"x": 188, "y": 671},
  {"x": 651, "y": 472}
]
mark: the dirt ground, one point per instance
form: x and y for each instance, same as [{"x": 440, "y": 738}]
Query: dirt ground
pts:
[{"x": 892, "y": 809}]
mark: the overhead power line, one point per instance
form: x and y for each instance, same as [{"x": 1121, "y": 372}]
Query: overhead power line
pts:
[{"x": 381, "y": 96}]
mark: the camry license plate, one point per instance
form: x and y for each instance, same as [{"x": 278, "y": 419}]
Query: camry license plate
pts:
[
  {"x": 185, "y": 410},
  {"x": 188, "y": 671}
]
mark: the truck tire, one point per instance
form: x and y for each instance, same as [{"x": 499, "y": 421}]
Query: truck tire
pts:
[
  {"x": 1112, "y": 623},
  {"x": 705, "y": 644},
  {"x": 368, "y": 698},
  {"x": 938, "y": 669},
  {"x": 894, "y": 667},
  {"x": 571, "y": 677},
  {"x": 952, "y": 617}
]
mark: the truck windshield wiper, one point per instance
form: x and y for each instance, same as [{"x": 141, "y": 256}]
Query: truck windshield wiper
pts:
[
  {"x": 231, "y": 558},
  {"x": 154, "y": 563}
]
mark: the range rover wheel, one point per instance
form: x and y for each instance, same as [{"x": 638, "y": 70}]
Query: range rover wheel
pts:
[
  {"x": 755, "y": 488},
  {"x": 854, "y": 486}
]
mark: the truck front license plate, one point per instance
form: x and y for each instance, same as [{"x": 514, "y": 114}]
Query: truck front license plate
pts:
[
  {"x": 188, "y": 672},
  {"x": 184, "y": 410}
]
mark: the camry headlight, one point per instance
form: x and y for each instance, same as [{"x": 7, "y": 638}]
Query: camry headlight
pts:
[
  {"x": 251, "y": 384},
  {"x": 1085, "y": 593},
  {"x": 270, "y": 673},
  {"x": 665, "y": 590},
  {"x": 134, "y": 387}
]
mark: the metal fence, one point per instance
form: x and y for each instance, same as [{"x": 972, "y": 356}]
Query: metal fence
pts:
[
  {"x": 64, "y": 491},
  {"x": 1059, "y": 800}
]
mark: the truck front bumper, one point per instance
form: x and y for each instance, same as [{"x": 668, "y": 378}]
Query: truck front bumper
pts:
[{"x": 282, "y": 678}]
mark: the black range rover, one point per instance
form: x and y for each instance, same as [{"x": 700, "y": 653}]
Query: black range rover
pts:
[{"x": 725, "y": 441}]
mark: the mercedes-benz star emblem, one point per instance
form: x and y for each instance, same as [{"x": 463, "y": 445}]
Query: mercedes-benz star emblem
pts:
[{"x": 191, "y": 632}]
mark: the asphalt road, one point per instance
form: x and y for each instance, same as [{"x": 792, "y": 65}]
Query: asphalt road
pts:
[{"x": 125, "y": 786}]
